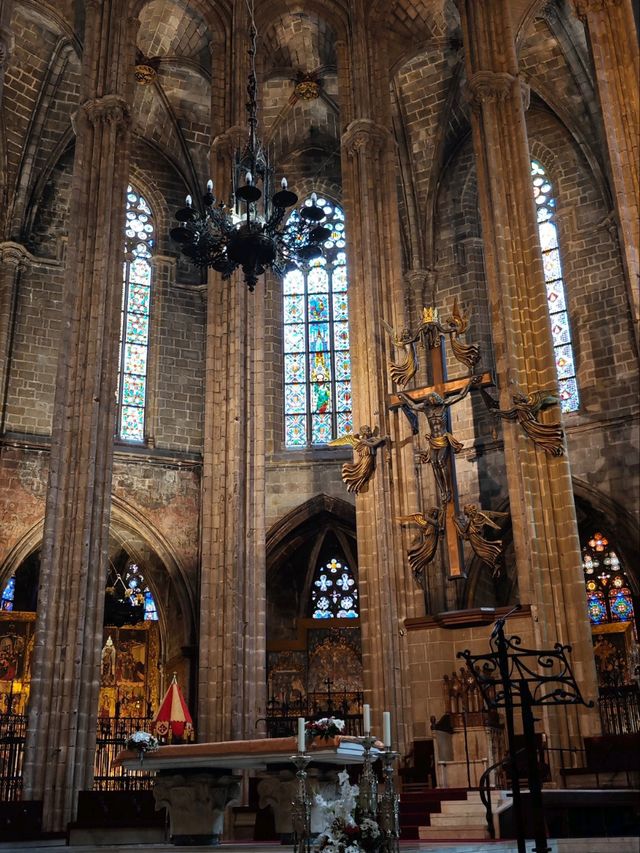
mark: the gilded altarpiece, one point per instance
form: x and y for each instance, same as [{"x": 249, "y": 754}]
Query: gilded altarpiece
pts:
[
  {"x": 129, "y": 681},
  {"x": 16, "y": 649}
]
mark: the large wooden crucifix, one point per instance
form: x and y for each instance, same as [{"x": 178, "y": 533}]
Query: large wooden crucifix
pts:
[{"x": 434, "y": 401}]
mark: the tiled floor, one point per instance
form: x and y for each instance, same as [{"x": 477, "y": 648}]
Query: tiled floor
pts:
[{"x": 572, "y": 845}]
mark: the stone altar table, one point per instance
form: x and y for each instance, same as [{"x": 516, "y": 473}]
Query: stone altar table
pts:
[{"x": 195, "y": 781}]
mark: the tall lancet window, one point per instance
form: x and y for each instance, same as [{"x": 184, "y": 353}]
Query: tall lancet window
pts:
[
  {"x": 134, "y": 328},
  {"x": 556, "y": 301},
  {"x": 317, "y": 362}
]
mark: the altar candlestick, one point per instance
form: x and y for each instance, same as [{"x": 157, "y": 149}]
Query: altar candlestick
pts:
[
  {"x": 301, "y": 734},
  {"x": 386, "y": 728},
  {"x": 366, "y": 715}
]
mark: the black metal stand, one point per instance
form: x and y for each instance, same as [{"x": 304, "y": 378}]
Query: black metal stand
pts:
[{"x": 509, "y": 677}]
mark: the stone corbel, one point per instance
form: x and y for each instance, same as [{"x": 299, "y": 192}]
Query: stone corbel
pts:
[
  {"x": 224, "y": 145},
  {"x": 494, "y": 87},
  {"x": 196, "y": 803},
  {"x": 109, "y": 109},
  {"x": 364, "y": 136},
  {"x": 15, "y": 255}
]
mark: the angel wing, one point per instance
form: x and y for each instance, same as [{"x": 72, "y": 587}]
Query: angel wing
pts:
[
  {"x": 487, "y": 517},
  {"x": 417, "y": 518},
  {"x": 343, "y": 441},
  {"x": 461, "y": 320},
  {"x": 539, "y": 400}
]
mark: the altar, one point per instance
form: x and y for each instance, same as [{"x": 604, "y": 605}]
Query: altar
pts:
[{"x": 195, "y": 782}]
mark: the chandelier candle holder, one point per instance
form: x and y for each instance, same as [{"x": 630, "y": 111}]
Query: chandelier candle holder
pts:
[{"x": 250, "y": 232}]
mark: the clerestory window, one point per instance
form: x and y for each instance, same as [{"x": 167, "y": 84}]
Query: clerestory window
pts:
[
  {"x": 134, "y": 328},
  {"x": 556, "y": 299},
  {"x": 317, "y": 362}
]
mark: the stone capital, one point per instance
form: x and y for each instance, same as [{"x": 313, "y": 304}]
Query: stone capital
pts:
[
  {"x": 489, "y": 86},
  {"x": 418, "y": 279},
  {"x": 15, "y": 255},
  {"x": 365, "y": 136},
  {"x": 109, "y": 109},
  {"x": 224, "y": 145}
]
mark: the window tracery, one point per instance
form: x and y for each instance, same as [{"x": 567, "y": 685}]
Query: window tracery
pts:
[
  {"x": 556, "y": 299},
  {"x": 317, "y": 361},
  {"x": 609, "y": 596},
  {"x": 134, "y": 328},
  {"x": 334, "y": 592}
]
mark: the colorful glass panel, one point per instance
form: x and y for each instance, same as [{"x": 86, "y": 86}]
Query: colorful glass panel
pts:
[
  {"x": 334, "y": 592},
  {"x": 596, "y": 607},
  {"x": 134, "y": 328},
  {"x": 556, "y": 302},
  {"x": 316, "y": 341},
  {"x": 620, "y": 605},
  {"x": 6, "y": 602},
  {"x": 608, "y": 594}
]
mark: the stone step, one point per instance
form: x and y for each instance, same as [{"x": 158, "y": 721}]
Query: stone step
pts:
[
  {"x": 428, "y": 833},
  {"x": 462, "y": 807},
  {"x": 457, "y": 820}
]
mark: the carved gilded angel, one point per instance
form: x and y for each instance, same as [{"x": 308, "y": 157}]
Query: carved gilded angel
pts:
[
  {"x": 458, "y": 323},
  {"x": 356, "y": 474},
  {"x": 422, "y": 553},
  {"x": 470, "y": 526},
  {"x": 526, "y": 406},
  {"x": 402, "y": 372}
]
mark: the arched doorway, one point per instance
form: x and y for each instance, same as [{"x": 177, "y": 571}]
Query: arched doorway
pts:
[{"x": 314, "y": 649}]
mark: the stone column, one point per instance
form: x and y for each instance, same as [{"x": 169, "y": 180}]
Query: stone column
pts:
[
  {"x": 63, "y": 707},
  {"x": 388, "y": 593},
  {"x": 14, "y": 258},
  {"x": 232, "y": 667},
  {"x": 614, "y": 48},
  {"x": 540, "y": 491}
]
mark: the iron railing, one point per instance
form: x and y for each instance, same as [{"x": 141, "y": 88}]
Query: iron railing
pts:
[
  {"x": 619, "y": 709},
  {"x": 13, "y": 732},
  {"x": 281, "y": 718},
  {"x": 112, "y": 734}
]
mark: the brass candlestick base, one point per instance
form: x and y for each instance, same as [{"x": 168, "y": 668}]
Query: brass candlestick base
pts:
[
  {"x": 368, "y": 796},
  {"x": 301, "y": 807},
  {"x": 389, "y": 805}
]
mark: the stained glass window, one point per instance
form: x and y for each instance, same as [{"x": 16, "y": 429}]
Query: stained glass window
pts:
[
  {"x": 556, "y": 302},
  {"x": 131, "y": 586},
  {"x": 608, "y": 593},
  {"x": 317, "y": 363},
  {"x": 6, "y": 602},
  {"x": 334, "y": 593},
  {"x": 134, "y": 328}
]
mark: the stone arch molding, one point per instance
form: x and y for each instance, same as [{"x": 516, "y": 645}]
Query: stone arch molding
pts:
[
  {"x": 130, "y": 529},
  {"x": 342, "y": 510}
]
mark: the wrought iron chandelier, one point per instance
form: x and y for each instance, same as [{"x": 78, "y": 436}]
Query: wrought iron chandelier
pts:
[{"x": 250, "y": 231}]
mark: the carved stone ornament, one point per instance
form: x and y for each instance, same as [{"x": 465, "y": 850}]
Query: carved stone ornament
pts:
[
  {"x": 489, "y": 86},
  {"x": 15, "y": 255},
  {"x": 6, "y": 45},
  {"x": 307, "y": 88},
  {"x": 145, "y": 74},
  {"x": 110, "y": 109},
  {"x": 225, "y": 144},
  {"x": 365, "y": 136}
]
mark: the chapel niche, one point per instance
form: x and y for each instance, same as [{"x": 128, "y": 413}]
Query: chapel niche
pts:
[{"x": 314, "y": 646}]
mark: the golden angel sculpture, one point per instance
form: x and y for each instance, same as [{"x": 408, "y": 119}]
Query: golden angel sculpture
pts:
[
  {"x": 470, "y": 526},
  {"x": 525, "y": 408},
  {"x": 402, "y": 372},
  {"x": 356, "y": 474},
  {"x": 422, "y": 553},
  {"x": 458, "y": 323}
]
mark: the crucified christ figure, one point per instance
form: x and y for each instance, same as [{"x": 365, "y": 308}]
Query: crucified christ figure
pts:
[{"x": 441, "y": 441}]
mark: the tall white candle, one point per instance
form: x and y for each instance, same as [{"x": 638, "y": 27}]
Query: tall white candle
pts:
[
  {"x": 366, "y": 718},
  {"x": 386, "y": 728},
  {"x": 301, "y": 737}
]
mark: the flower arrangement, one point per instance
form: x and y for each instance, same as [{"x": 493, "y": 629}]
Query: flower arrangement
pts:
[
  {"x": 325, "y": 728},
  {"x": 142, "y": 742},
  {"x": 345, "y": 830}
]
